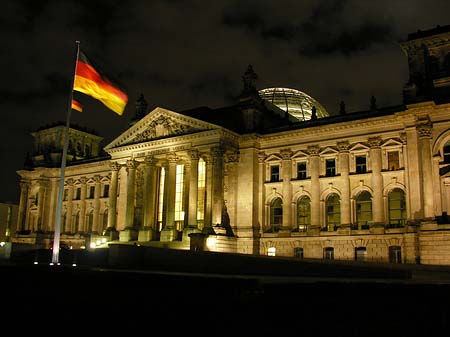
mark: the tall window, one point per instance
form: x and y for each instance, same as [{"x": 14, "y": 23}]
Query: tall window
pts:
[
  {"x": 393, "y": 160},
  {"x": 276, "y": 214},
  {"x": 303, "y": 213},
  {"x": 301, "y": 170},
  {"x": 201, "y": 193},
  {"x": 397, "y": 208},
  {"x": 91, "y": 192},
  {"x": 446, "y": 153},
  {"x": 361, "y": 165},
  {"x": 78, "y": 193},
  {"x": 395, "y": 254},
  {"x": 333, "y": 210},
  {"x": 77, "y": 222},
  {"x": 330, "y": 167},
  {"x": 274, "y": 173},
  {"x": 161, "y": 197},
  {"x": 179, "y": 204},
  {"x": 106, "y": 191},
  {"x": 328, "y": 253},
  {"x": 363, "y": 209}
]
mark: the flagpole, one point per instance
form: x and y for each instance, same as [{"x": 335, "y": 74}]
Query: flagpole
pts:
[{"x": 56, "y": 239}]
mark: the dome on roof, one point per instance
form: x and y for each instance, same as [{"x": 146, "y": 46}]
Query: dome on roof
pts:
[{"x": 294, "y": 102}]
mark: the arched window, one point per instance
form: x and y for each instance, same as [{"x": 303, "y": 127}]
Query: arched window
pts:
[
  {"x": 397, "y": 208},
  {"x": 90, "y": 221},
  {"x": 303, "y": 213},
  {"x": 446, "y": 153},
  {"x": 363, "y": 210},
  {"x": 333, "y": 212},
  {"x": 276, "y": 215}
]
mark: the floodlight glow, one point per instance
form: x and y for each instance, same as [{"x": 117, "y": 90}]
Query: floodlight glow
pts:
[
  {"x": 93, "y": 245},
  {"x": 103, "y": 240}
]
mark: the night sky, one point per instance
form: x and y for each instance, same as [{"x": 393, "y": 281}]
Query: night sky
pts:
[{"x": 185, "y": 54}]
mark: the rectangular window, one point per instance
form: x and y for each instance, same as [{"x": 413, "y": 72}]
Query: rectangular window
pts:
[
  {"x": 274, "y": 173},
  {"x": 298, "y": 252},
  {"x": 301, "y": 170},
  {"x": 328, "y": 253},
  {"x": 330, "y": 167},
  {"x": 161, "y": 198},
  {"x": 361, "y": 164},
  {"x": 91, "y": 192},
  {"x": 201, "y": 193},
  {"x": 395, "y": 254},
  {"x": 360, "y": 253},
  {"x": 78, "y": 193},
  {"x": 393, "y": 161},
  {"x": 179, "y": 205},
  {"x": 106, "y": 191}
]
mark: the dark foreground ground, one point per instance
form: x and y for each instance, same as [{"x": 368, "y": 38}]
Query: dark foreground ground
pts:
[{"x": 98, "y": 300}]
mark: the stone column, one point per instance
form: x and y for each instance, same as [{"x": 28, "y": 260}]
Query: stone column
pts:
[
  {"x": 112, "y": 211},
  {"x": 131, "y": 187},
  {"x": 286, "y": 170},
  {"x": 95, "y": 223},
  {"x": 150, "y": 196},
  {"x": 217, "y": 182},
  {"x": 345, "y": 181},
  {"x": 168, "y": 232},
  {"x": 261, "y": 195},
  {"x": 377, "y": 182},
  {"x": 425, "y": 132},
  {"x": 315, "y": 187},
  {"x": 22, "y": 206},
  {"x": 41, "y": 205},
  {"x": 83, "y": 222},
  {"x": 208, "y": 186},
  {"x": 193, "y": 190},
  {"x": 69, "y": 223}
]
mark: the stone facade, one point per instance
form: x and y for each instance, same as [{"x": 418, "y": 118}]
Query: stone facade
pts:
[{"x": 371, "y": 185}]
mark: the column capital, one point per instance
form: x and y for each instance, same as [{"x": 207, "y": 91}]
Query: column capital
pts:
[
  {"x": 232, "y": 157},
  {"x": 313, "y": 150},
  {"x": 70, "y": 182},
  {"x": 217, "y": 151},
  {"x": 97, "y": 178},
  {"x": 132, "y": 164},
  {"x": 403, "y": 138},
  {"x": 194, "y": 154},
  {"x": 425, "y": 130},
  {"x": 150, "y": 160},
  {"x": 343, "y": 146},
  {"x": 115, "y": 166},
  {"x": 261, "y": 156},
  {"x": 286, "y": 154},
  {"x": 24, "y": 185},
  {"x": 83, "y": 180},
  {"x": 374, "y": 142}
]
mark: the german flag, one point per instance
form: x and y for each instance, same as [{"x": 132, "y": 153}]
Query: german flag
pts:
[
  {"x": 77, "y": 105},
  {"x": 92, "y": 82}
]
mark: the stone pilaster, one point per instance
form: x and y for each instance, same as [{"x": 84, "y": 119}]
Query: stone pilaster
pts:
[
  {"x": 315, "y": 187},
  {"x": 208, "y": 186},
  {"x": 425, "y": 133},
  {"x": 68, "y": 226},
  {"x": 261, "y": 195},
  {"x": 96, "y": 228},
  {"x": 191, "y": 226},
  {"x": 378, "y": 215},
  {"x": 286, "y": 171},
  {"x": 83, "y": 225},
  {"x": 150, "y": 199},
  {"x": 345, "y": 183},
  {"x": 24, "y": 188},
  {"x": 112, "y": 211},
  {"x": 217, "y": 182}
]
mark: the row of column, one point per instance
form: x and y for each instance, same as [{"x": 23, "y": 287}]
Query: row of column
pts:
[{"x": 214, "y": 190}]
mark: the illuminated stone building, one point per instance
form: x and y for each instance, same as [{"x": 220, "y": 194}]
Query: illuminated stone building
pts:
[{"x": 252, "y": 178}]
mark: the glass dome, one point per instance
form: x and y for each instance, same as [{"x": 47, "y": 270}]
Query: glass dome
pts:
[{"x": 294, "y": 102}]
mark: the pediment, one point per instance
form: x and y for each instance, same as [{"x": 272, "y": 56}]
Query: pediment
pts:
[
  {"x": 359, "y": 147},
  {"x": 392, "y": 142},
  {"x": 328, "y": 151},
  {"x": 160, "y": 123},
  {"x": 300, "y": 154},
  {"x": 273, "y": 157}
]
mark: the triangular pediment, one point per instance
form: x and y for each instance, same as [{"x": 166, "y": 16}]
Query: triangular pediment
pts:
[
  {"x": 273, "y": 157},
  {"x": 299, "y": 154},
  {"x": 160, "y": 123},
  {"x": 392, "y": 142},
  {"x": 328, "y": 151},
  {"x": 359, "y": 147}
]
